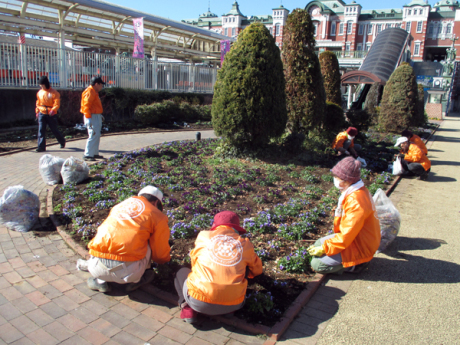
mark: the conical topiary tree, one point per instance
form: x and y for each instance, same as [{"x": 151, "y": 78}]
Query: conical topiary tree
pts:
[
  {"x": 372, "y": 101},
  {"x": 249, "y": 103},
  {"x": 305, "y": 95},
  {"x": 399, "y": 100},
  {"x": 420, "y": 119},
  {"x": 331, "y": 76}
]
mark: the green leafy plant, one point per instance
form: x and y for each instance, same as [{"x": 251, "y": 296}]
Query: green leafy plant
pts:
[{"x": 297, "y": 262}]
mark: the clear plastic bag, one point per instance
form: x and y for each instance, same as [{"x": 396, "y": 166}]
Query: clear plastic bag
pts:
[
  {"x": 19, "y": 208},
  {"x": 397, "y": 167},
  {"x": 74, "y": 170},
  {"x": 50, "y": 169},
  {"x": 389, "y": 218}
]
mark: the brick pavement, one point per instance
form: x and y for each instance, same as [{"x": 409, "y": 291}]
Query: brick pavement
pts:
[{"x": 45, "y": 300}]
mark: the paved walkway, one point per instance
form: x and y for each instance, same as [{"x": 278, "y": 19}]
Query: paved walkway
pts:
[{"x": 44, "y": 299}]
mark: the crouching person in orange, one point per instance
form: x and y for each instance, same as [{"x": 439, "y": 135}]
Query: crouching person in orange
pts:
[
  {"x": 413, "y": 160},
  {"x": 217, "y": 283},
  {"x": 356, "y": 227},
  {"x": 344, "y": 143},
  {"x": 135, "y": 233},
  {"x": 414, "y": 138}
]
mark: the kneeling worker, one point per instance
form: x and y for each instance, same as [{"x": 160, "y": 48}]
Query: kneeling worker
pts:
[
  {"x": 356, "y": 227},
  {"x": 135, "y": 232},
  {"x": 413, "y": 159},
  {"x": 414, "y": 138},
  {"x": 344, "y": 143},
  {"x": 221, "y": 259}
]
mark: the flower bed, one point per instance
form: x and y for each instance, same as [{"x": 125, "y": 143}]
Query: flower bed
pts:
[{"x": 285, "y": 206}]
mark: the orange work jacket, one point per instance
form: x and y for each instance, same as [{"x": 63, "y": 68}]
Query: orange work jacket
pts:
[
  {"x": 340, "y": 139},
  {"x": 415, "y": 155},
  {"x": 47, "y": 100},
  {"x": 357, "y": 230},
  {"x": 419, "y": 142},
  {"x": 131, "y": 226},
  {"x": 219, "y": 262},
  {"x": 90, "y": 102}
]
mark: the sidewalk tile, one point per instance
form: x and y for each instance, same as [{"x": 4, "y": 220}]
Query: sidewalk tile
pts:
[
  {"x": 71, "y": 322},
  {"x": 4, "y": 283},
  {"x": 23, "y": 249},
  {"x": 157, "y": 314},
  {"x": 38, "y": 298},
  {"x": 83, "y": 288},
  {"x": 9, "y": 333},
  {"x": 24, "y": 324},
  {"x": 75, "y": 340},
  {"x": 135, "y": 304},
  {"x": 196, "y": 341},
  {"x": 71, "y": 279},
  {"x": 105, "y": 327},
  {"x": 323, "y": 307},
  {"x": 95, "y": 307},
  {"x": 106, "y": 301},
  {"x": 127, "y": 339},
  {"x": 58, "y": 331},
  {"x": 127, "y": 312},
  {"x": 36, "y": 266},
  {"x": 24, "y": 304},
  {"x": 9, "y": 311},
  {"x": 27, "y": 258},
  {"x": 317, "y": 313},
  {"x": 93, "y": 336},
  {"x": 58, "y": 270},
  {"x": 61, "y": 285},
  {"x": 17, "y": 263},
  {"x": 5, "y": 267},
  {"x": 183, "y": 326},
  {"x": 11, "y": 253},
  {"x": 212, "y": 337},
  {"x": 53, "y": 310},
  {"x": 84, "y": 315},
  {"x": 22, "y": 341},
  {"x": 12, "y": 277},
  {"x": 36, "y": 281},
  {"x": 161, "y": 340},
  {"x": 3, "y": 300},
  {"x": 175, "y": 334},
  {"x": 148, "y": 322},
  {"x": 115, "y": 319},
  {"x": 66, "y": 303},
  {"x": 25, "y": 272},
  {"x": 47, "y": 275},
  {"x": 40, "y": 336},
  {"x": 76, "y": 296},
  {"x": 50, "y": 291},
  {"x": 246, "y": 339},
  {"x": 139, "y": 331},
  {"x": 10, "y": 293},
  {"x": 40, "y": 317}
]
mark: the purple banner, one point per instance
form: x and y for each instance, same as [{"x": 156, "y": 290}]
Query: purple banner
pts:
[
  {"x": 224, "y": 49},
  {"x": 138, "y": 24}
]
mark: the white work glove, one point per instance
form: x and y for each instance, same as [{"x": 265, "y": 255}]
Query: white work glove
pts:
[
  {"x": 347, "y": 152},
  {"x": 89, "y": 122}
]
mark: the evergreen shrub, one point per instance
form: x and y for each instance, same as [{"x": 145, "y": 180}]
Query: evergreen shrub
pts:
[
  {"x": 305, "y": 94},
  {"x": 399, "y": 100},
  {"x": 249, "y": 104},
  {"x": 372, "y": 101},
  {"x": 331, "y": 76},
  {"x": 168, "y": 111},
  {"x": 334, "y": 120}
]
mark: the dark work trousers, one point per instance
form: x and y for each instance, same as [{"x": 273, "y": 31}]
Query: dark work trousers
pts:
[
  {"x": 414, "y": 168},
  {"x": 46, "y": 120}
]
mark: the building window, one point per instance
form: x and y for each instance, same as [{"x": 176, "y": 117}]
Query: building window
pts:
[
  {"x": 361, "y": 29},
  {"x": 347, "y": 47},
  {"x": 369, "y": 29},
  {"x": 419, "y": 26},
  {"x": 449, "y": 29},
  {"x": 379, "y": 28},
  {"x": 388, "y": 26},
  {"x": 316, "y": 29},
  {"x": 333, "y": 28},
  {"x": 409, "y": 12},
  {"x": 346, "y": 9},
  {"x": 271, "y": 30},
  {"x": 349, "y": 27},
  {"x": 341, "y": 29},
  {"x": 277, "y": 32},
  {"x": 233, "y": 32},
  {"x": 360, "y": 47},
  {"x": 368, "y": 46},
  {"x": 408, "y": 27},
  {"x": 417, "y": 49}
]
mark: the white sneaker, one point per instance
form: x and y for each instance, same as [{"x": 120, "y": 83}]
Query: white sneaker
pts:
[{"x": 82, "y": 265}]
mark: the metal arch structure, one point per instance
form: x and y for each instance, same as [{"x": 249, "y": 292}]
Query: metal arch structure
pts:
[
  {"x": 360, "y": 77},
  {"x": 99, "y": 24}
]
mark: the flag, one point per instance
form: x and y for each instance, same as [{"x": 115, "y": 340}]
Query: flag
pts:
[
  {"x": 224, "y": 49},
  {"x": 138, "y": 24},
  {"x": 22, "y": 39}
]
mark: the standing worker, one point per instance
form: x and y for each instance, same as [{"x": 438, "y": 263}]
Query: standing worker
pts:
[
  {"x": 91, "y": 107},
  {"x": 48, "y": 103}
]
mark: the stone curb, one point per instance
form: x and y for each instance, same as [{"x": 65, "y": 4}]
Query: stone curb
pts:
[{"x": 104, "y": 135}]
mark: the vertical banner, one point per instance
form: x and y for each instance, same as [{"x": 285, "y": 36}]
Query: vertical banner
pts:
[
  {"x": 224, "y": 49},
  {"x": 138, "y": 24},
  {"x": 22, "y": 39}
]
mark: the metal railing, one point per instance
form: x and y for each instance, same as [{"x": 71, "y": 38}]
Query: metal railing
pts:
[
  {"x": 22, "y": 65},
  {"x": 348, "y": 54}
]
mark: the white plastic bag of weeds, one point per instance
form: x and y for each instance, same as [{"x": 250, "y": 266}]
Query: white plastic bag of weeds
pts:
[
  {"x": 50, "y": 169},
  {"x": 389, "y": 218},
  {"x": 74, "y": 170},
  {"x": 19, "y": 209}
]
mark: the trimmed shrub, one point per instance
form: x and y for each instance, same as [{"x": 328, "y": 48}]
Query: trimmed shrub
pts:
[
  {"x": 419, "y": 118},
  {"x": 305, "y": 94},
  {"x": 359, "y": 119},
  {"x": 399, "y": 100},
  {"x": 331, "y": 76},
  {"x": 167, "y": 111},
  {"x": 249, "y": 104},
  {"x": 372, "y": 101},
  {"x": 334, "y": 120}
]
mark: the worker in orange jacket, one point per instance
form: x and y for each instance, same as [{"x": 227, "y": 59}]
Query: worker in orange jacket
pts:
[
  {"x": 414, "y": 138},
  {"x": 221, "y": 260},
  {"x": 47, "y": 105},
  {"x": 344, "y": 143},
  {"x": 91, "y": 107},
  {"x": 413, "y": 160},
  {"x": 135, "y": 232},
  {"x": 356, "y": 235}
]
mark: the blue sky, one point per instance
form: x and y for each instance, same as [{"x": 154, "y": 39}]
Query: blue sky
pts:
[{"x": 188, "y": 9}]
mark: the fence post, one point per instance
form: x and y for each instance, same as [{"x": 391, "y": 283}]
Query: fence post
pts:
[{"x": 63, "y": 69}]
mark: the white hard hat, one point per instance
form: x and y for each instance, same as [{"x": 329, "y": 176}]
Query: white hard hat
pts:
[
  {"x": 152, "y": 191},
  {"x": 401, "y": 140}
]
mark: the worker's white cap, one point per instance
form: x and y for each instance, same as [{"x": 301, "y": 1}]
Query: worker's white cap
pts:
[
  {"x": 401, "y": 140},
  {"x": 152, "y": 191}
]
